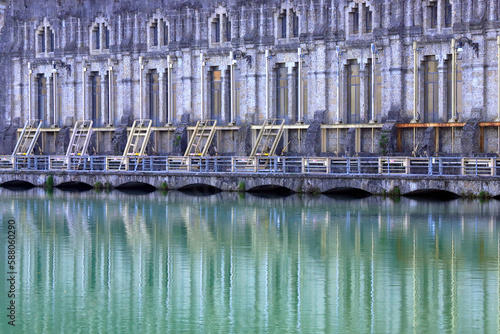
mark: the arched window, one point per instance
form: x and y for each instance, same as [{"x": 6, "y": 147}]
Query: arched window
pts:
[
  {"x": 45, "y": 39},
  {"x": 100, "y": 36}
]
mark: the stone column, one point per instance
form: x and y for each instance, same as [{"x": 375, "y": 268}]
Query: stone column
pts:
[
  {"x": 396, "y": 74},
  {"x": 317, "y": 90},
  {"x": 418, "y": 19},
  {"x": 493, "y": 10},
  {"x": 18, "y": 104},
  {"x": 186, "y": 84},
  {"x": 253, "y": 100}
]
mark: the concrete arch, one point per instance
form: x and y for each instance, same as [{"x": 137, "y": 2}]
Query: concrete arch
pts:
[
  {"x": 200, "y": 189},
  {"x": 74, "y": 185},
  {"x": 136, "y": 185},
  {"x": 272, "y": 189},
  {"x": 433, "y": 194},
  {"x": 347, "y": 192},
  {"x": 18, "y": 185}
]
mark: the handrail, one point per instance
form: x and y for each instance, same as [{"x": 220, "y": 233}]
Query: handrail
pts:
[{"x": 398, "y": 166}]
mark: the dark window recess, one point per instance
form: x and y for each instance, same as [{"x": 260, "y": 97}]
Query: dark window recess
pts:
[
  {"x": 216, "y": 28},
  {"x": 355, "y": 21},
  {"x": 228, "y": 30},
  {"x": 283, "y": 25},
  {"x": 447, "y": 13},
  {"x": 295, "y": 25},
  {"x": 42, "y": 40},
  {"x": 353, "y": 92},
  {"x": 96, "y": 100},
  {"x": 368, "y": 20},
  {"x": 41, "y": 97},
  {"x": 216, "y": 95},
  {"x": 154, "y": 98},
  {"x": 281, "y": 91},
  {"x": 433, "y": 14},
  {"x": 431, "y": 90},
  {"x": 97, "y": 38},
  {"x": 107, "y": 39},
  {"x": 52, "y": 41},
  {"x": 154, "y": 34}
]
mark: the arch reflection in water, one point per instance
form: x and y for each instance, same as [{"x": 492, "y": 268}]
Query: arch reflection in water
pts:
[{"x": 229, "y": 263}]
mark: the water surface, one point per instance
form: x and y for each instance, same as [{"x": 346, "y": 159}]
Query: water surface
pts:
[{"x": 238, "y": 263}]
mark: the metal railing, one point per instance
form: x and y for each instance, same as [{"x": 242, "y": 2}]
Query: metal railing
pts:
[{"x": 450, "y": 166}]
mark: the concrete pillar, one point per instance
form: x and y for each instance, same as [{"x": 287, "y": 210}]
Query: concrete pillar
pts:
[
  {"x": 17, "y": 90},
  {"x": 186, "y": 85},
  {"x": 254, "y": 99},
  {"x": 315, "y": 70},
  {"x": 493, "y": 10},
  {"x": 396, "y": 74},
  {"x": 418, "y": 15}
]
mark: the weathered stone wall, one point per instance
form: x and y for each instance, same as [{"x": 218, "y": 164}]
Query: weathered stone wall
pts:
[
  {"x": 468, "y": 186},
  {"x": 255, "y": 27}
]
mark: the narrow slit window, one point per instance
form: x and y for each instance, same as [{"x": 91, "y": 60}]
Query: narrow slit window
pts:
[
  {"x": 228, "y": 30},
  {"x": 106, "y": 45},
  {"x": 355, "y": 20},
  {"x": 295, "y": 25},
  {"x": 97, "y": 38},
  {"x": 447, "y": 13},
  {"x": 368, "y": 20}
]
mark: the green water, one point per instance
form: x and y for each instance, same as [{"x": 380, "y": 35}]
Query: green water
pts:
[{"x": 231, "y": 263}]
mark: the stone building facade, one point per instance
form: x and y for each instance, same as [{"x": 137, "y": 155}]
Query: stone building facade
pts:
[{"x": 345, "y": 66}]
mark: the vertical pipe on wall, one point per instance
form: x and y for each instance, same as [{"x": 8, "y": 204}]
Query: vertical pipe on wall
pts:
[
  {"x": 339, "y": 120},
  {"x": 54, "y": 93},
  {"x": 454, "y": 117},
  {"x": 267, "y": 83},
  {"x": 498, "y": 95},
  {"x": 84, "y": 92},
  {"x": 170, "y": 94},
  {"x": 300, "y": 109},
  {"x": 141, "y": 67},
  {"x": 110, "y": 94},
  {"x": 374, "y": 82},
  {"x": 415, "y": 82},
  {"x": 202, "y": 78},
  {"x": 232, "y": 62},
  {"x": 30, "y": 72},
  {"x": 498, "y": 73}
]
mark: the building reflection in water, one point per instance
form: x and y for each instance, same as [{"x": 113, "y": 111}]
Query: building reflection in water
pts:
[{"x": 231, "y": 263}]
